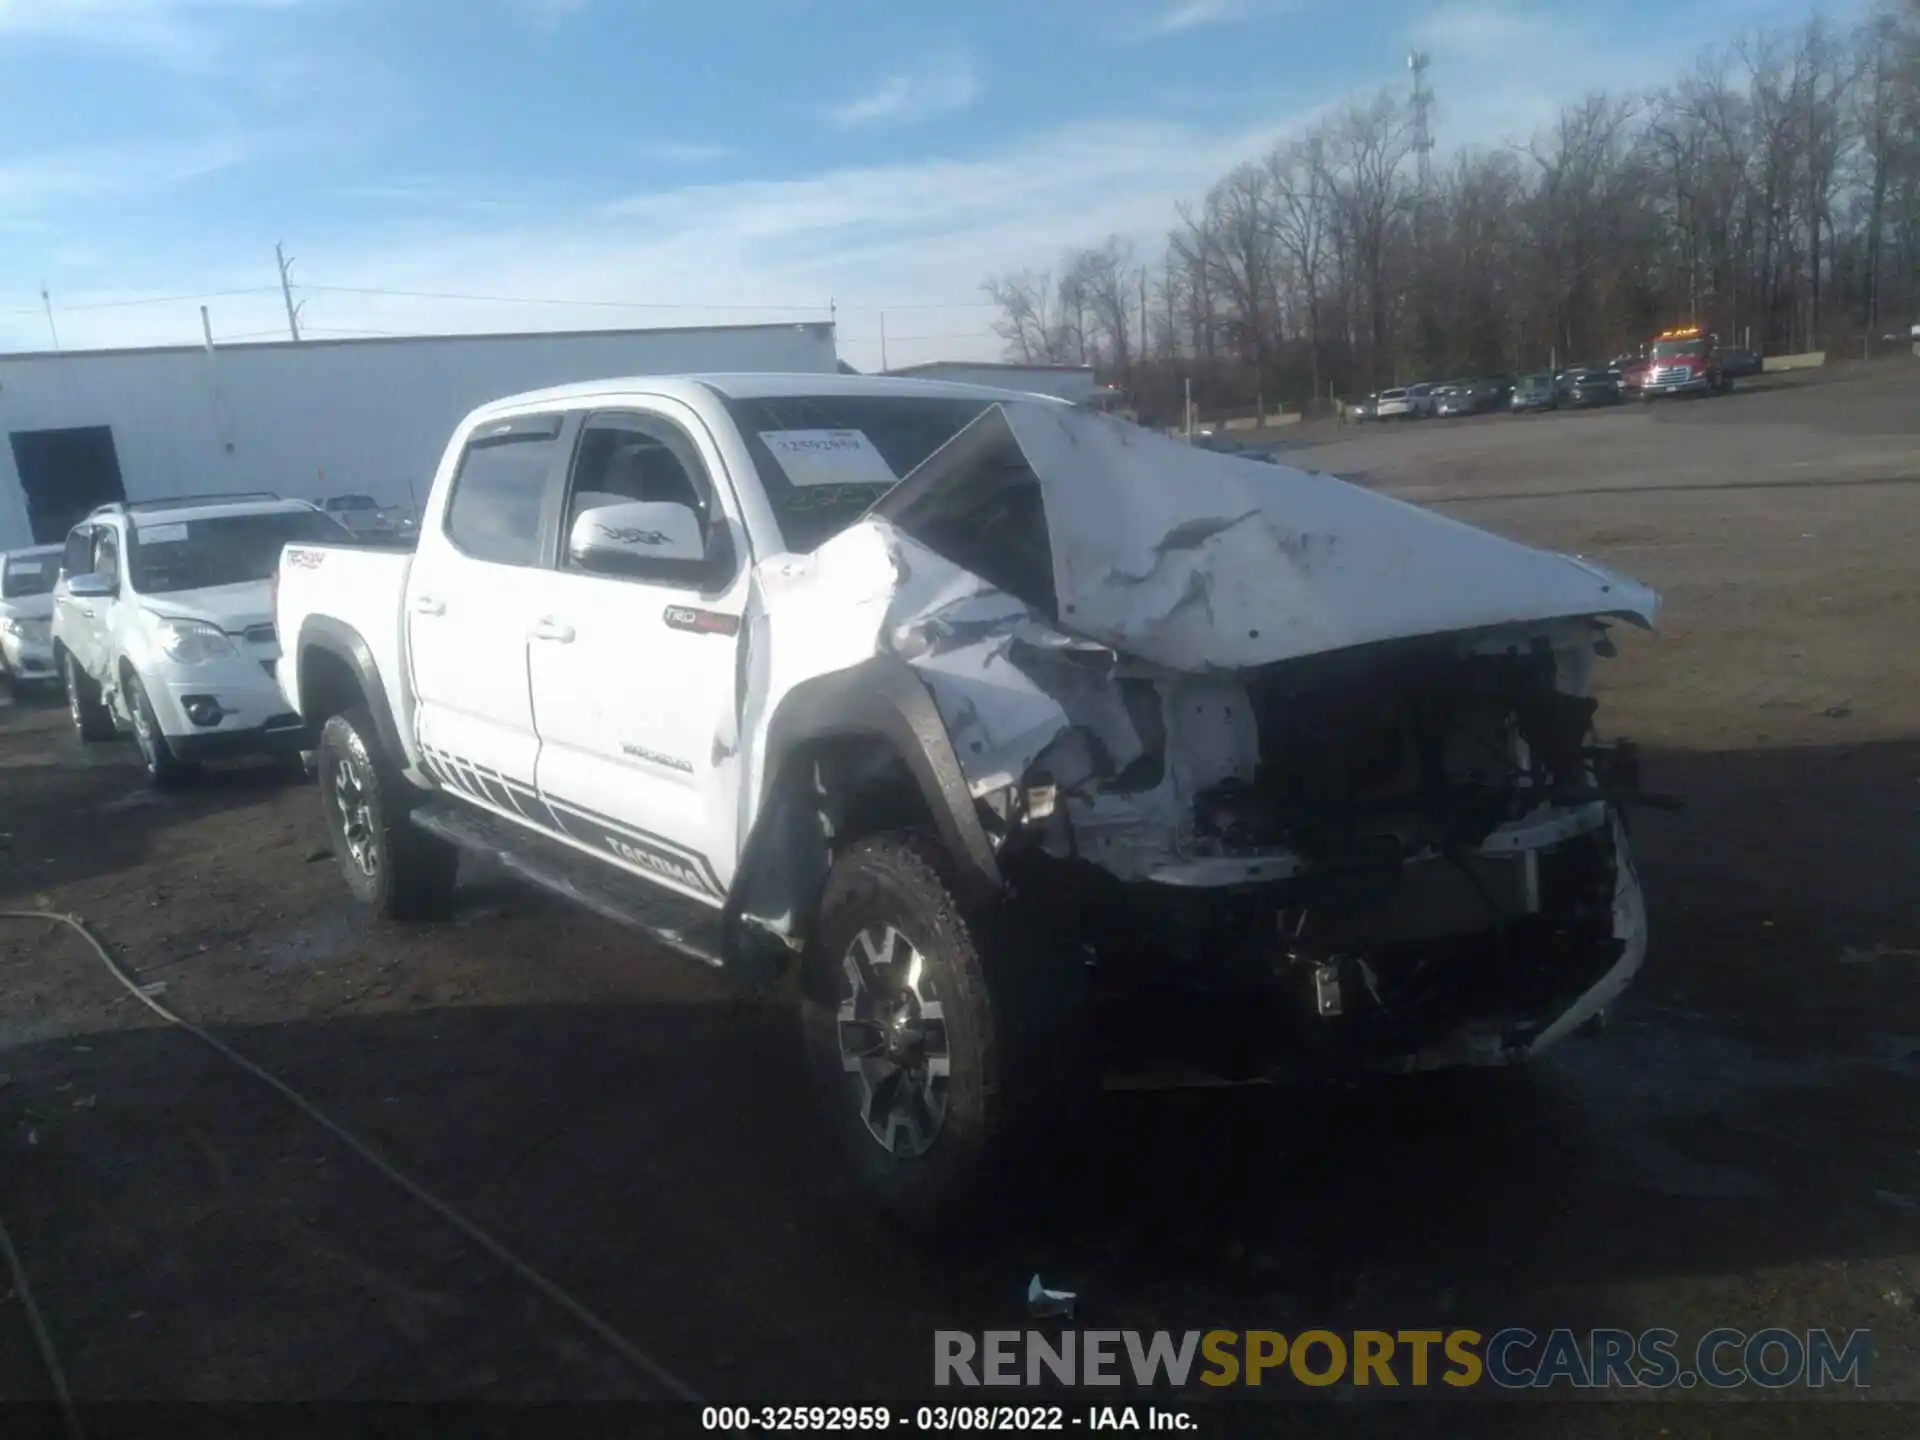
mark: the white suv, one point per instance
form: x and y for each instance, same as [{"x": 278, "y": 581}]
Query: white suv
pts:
[
  {"x": 163, "y": 626},
  {"x": 26, "y": 613}
]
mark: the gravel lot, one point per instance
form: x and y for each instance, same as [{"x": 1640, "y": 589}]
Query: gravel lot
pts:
[{"x": 1742, "y": 1147}]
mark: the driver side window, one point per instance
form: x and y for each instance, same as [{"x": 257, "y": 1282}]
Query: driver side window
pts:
[
  {"x": 78, "y": 559},
  {"x": 106, "y": 552}
]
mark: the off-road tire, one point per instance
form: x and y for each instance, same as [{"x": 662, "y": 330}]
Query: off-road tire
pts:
[
  {"x": 1017, "y": 1025},
  {"x": 92, "y": 721},
  {"x": 389, "y": 864},
  {"x": 164, "y": 768}
]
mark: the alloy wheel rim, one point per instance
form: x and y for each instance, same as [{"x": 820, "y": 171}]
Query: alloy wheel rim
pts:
[
  {"x": 355, "y": 814},
  {"x": 893, "y": 1041}
]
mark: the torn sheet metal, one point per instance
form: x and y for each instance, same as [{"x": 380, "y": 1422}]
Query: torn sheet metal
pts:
[{"x": 1198, "y": 561}]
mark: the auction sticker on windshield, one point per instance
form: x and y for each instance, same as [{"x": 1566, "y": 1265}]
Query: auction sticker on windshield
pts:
[
  {"x": 161, "y": 534},
  {"x": 829, "y": 457}
]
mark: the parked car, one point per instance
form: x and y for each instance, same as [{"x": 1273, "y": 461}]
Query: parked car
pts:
[
  {"x": 1740, "y": 364},
  {"x": 163, "y": 626},
  {"x": 1585, "y": 389},
  {"x": 1421, "y": 402},
  {"x": 766, "y": 668},
  {"x": 1360, "y": 411},
  {"x": 1535, "y": 392},
  {"x": 1394, "y": 405},
  {"x": 1452, "y": 400},
  {"x": 26, "y": 615}
]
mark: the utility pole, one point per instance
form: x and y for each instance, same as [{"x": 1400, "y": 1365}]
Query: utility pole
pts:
[
  {"x": 1144, "y": 341},
  {"x": 883, "y": 342},
  {"x": 52, "y": 329},
  {"x": 286, "y": 292}
]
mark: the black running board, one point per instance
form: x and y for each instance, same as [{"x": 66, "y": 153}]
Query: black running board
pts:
[{"x": 681, "y": 925}]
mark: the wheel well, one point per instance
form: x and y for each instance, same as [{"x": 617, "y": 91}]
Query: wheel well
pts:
[
  {"x": 328, "y": 686},
  {"x": 830, "y": 792},
  {"x": 864, "y": 786}
]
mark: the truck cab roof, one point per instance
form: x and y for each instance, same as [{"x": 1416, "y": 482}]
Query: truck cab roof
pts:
[{"x": 689, "y": 388}]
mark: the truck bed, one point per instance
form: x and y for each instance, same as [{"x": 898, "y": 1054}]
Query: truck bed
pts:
[{"x": 357, "y": 586}]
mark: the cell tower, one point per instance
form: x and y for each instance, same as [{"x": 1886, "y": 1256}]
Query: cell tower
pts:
[{"x": 1417, "y": 63}]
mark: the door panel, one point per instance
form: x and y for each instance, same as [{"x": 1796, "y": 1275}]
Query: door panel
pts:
[
  {"x": 472, "y": 595},
  {"x": 634, "y": 677}
]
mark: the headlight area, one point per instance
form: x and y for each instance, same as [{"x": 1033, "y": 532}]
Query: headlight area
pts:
[{"x": 191, "y": 642}]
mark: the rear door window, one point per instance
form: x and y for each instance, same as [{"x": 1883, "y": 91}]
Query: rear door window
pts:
[{"x": 500, "y": 489}]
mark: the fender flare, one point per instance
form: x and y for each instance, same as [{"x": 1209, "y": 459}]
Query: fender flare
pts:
[
  {"x": 882, "y": 700},
  {"x": 322, "y": 634}
]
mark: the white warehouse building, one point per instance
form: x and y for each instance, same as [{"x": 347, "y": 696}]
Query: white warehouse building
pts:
[{"x": 308, "y": 419}]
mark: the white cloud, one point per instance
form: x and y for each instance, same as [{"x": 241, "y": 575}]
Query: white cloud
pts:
[
  {"x": 921, "y": 236},
  {"x": 31, "y": 184},
  {"x": 938, "y": 85},
  {"x": 179, "y": 32},
  {"x": 547, "y": 14},
  {"x": 1185, "y": 15},
  {"x": 683, "y": 152}
]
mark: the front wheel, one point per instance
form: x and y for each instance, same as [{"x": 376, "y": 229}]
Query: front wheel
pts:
[
  {"x": 944, "y": 1050},
  {"x": 398, "y": 870},
  {"x": 164, "y": 768}
]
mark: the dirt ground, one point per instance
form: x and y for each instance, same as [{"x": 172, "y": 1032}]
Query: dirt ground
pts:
[{"x": 1740, "y": 1148}]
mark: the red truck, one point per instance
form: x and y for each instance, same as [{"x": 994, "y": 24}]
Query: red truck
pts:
[{"x": 1685, "y": 361}]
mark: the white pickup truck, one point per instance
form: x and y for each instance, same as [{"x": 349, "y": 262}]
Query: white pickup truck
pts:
[{"x": 1050, "y": 748}]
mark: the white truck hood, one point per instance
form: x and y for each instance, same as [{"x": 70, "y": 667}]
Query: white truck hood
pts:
[
  {"x": 232, "y": 608},
  {"x": 1198, "y": 561}
]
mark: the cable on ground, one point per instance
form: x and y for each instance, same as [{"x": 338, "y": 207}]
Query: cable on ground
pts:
[{"x": 638, "y": 1359}]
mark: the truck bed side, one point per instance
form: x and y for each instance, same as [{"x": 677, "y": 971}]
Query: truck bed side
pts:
[{"x": 349, "y": 601}]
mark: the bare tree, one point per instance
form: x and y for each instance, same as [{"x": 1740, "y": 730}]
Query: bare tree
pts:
[
  {"x": 1103, "y": 280},
  {"x": 1771, "y": 192},
  {"x": 1028, "y": 321}
]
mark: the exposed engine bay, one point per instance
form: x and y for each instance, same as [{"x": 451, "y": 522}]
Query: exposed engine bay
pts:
[
  {"x": 1303, "y": 774},
  {"x": 1414, "y": 862}
]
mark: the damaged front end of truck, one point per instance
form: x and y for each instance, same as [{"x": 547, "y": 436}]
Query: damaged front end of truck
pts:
[{"x": 1307, "y": 777}]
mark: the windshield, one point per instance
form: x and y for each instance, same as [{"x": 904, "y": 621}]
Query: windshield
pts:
[
  {"x": 1393, "y": 394},
  {"x": 352, "y": 502},
  {"x": 837, "y": 454},
  {"x": 223, "y": 550},
  {"x": 1678, "y": 349},
  {"x": 29, "y": 575}
]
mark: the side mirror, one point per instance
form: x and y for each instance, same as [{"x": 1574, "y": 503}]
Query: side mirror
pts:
[
  {"x": 646, "y": 538},
  {"x": 96, "y": 586}
]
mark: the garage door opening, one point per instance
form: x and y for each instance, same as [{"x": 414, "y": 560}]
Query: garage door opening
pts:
[{"x": 64, "y": 474}]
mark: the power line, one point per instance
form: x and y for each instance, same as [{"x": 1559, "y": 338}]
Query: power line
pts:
[{"x": 547, "y": 300}]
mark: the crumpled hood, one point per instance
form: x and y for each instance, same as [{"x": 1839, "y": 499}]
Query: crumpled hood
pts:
[
  {"x": 1202, "y": 562},
  {"x": 231, "y": 607}
]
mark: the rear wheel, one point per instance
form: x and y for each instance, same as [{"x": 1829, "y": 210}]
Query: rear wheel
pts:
[
  {"x": 389, "y": 864},
  {"x": 92, "y": 721},
  {"x": 944, "y": 1049}
]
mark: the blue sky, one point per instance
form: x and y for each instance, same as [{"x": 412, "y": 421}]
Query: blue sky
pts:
[{"x": 731, "y": 160}]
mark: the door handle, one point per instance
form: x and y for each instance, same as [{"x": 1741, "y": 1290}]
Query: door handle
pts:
[
  {"x": 427, "y": 605},
  {"x": 548, "y": 628}
]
